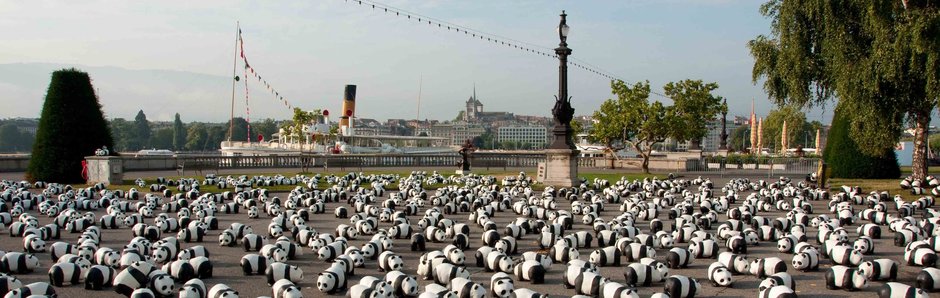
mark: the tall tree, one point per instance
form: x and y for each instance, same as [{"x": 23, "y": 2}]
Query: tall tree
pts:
[
  {"x": 694, "y": 106},
  {"x": 162, "y": 138},
  {"x": 265, "y": 127},
  {"x": 239, "y": 129},
  {"x": 632, "y": 120},
  {"x": 142, "y": 129},
  {"x": 879, "y": 58},
  {"x": 124, "y": 134},
  {"x": 179, "y": 133},
  {"x": 844, "y": 159},
  {"x": 71, "y": 126},
  {"x": 196, "y": 137}
]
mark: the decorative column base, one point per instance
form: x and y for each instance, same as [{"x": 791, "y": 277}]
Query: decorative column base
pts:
[
  {"x": 105, "y": 169},
  {"x": 561, "y": 168}
]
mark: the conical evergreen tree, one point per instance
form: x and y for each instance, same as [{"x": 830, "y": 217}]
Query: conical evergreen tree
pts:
[
  {"x": 846, "y": 161},
  {"x": 71, "y": 127}
]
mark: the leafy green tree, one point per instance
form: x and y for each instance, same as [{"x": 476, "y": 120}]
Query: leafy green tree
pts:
[
  {"x": 694, "y": 106},
  {"x": 738, "y": 138},
  {"x": 10, "y": 138},
  {"x": 879, "y": 58},
  {"x": 125, "y": 137},
  {"x": 239, "y": 131},
  {"x": 843, "y": 156},
  {"x": 632, "y": 120},
  {"x": 300, "y": 119},
  {"x": 265, "y": 127},
  {"x": 162, "y": 138},
  {"x": 215, "y": 134},
  {"x": 179, "y": 133},
  {"x": 142, "y": 129},
  {"x": 773, "y": 127},
  {"x": 71, "y": 126},
  {"x": 196, "y": 136}
]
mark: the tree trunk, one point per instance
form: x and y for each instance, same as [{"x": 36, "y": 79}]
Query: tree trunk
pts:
[
  {"x": 646, "y": 163},
  {"x": 919, "y": 165}
]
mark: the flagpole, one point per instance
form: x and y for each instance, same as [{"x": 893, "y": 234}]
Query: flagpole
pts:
[{"x": 231, "y": 120}]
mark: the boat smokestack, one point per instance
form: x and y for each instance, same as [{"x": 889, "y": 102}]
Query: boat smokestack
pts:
[{"x": 349, "y": 106}]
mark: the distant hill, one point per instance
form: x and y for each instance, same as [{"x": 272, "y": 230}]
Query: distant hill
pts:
[{"x": 160, "y": 93}]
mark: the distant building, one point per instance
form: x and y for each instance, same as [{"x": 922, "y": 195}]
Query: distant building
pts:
[
  {"x": 536, "y": 136},
  {"x": 463, "y": 131},
  {"x": 473, "y": 107}
]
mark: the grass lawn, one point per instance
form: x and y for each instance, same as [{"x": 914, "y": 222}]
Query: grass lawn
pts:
[{"x": 892, "y": 186}]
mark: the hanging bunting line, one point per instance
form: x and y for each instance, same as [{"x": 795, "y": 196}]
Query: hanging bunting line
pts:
[
  {"x": 245, "y": 71},
  {"x": 488, "y": 37},
  {"x": 251, "y": 70}
]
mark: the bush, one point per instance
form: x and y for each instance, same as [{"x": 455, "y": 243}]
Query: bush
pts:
[
  {"x": 71, "y": 127},
  {"x": 846, "y": 161}
]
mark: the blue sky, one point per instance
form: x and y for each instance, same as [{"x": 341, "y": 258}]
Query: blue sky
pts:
[{"x": 309, "y": 49}]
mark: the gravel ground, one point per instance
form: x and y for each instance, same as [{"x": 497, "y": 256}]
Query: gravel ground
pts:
[{"x": 228, "y": 271}]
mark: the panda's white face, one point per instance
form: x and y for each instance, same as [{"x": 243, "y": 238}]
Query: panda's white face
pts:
[{"x": 722, "y": 277}]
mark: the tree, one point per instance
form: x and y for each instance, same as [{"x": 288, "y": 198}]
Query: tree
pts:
[
  {"x": 632, "y": 120},
  {"x": 879, "y": 58},
  {"x": 196, "y": 137},
  {"x": 124, "y": 135},
  {"x": 239, "y": 131},
  {"x": 302, "y": 118},
  {"x": 773, "y": 127},
  {"x": 460, "y": 116},
  {"x": 215, "y": 134},
  {"x": 266, "y": 128},
  {"x": 142, "y": 130},
  {"x": 738, "y": 138},
  {"x": 10, "y": 138},
  {"x": 844, "y": 158},
  {"x": 179, "y": 133},
  {"x": 162, "y": 138},
  {"x": 694, "y": 106},
  {"x": 71, "y": 126}
]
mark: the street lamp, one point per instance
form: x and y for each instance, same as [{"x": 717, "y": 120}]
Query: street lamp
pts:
[{"x": 562, "y": 111}]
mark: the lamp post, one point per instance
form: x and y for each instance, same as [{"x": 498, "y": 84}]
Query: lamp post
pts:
[{"x": 562, "y": 112}]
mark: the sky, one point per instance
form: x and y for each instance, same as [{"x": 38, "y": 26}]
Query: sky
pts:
[{"x": 308, "y": 51}]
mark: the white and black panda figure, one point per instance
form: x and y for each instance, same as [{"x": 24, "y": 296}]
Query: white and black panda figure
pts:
[
  {"x": 921, "y": 256},
  {"x": 332, "y": 280},
  {"x": 530, "y": 270},
  {"x": 133, "y": 277},
  {"x": 641, "y": 275},
  {"x": 329, "y": 252},
  {"x": 880, "y": 269},
  {"x": 227, "y": 238},
  {"x": 192, "y": 252},
  {"x": 678, "y": 257},
  {"x": 607, "y": 256},
  {"x": 736, "y": 263},
  {"x": 704, "y": 248},
  {"x": 403, "y": 284},
  {"x": 418, "y": 242},
  {"x": 16, "y": 262},
  {"x": 541, "y": 258},
  {"x": 461, "y": 241},
  {"x": 617, "y": 290},
  {"x": 193, "y": 288},
  {"x": 719, "y": 275},
  {"x": 446, "y": 272},
  {"x": 202, "y": 266},
  {"x": 679, "y": 286},
  {"x": 59, "y": 249},
  {"x": 635, "y": 251},
  {"x": 736, "y": 244},
  {"x": 254, "y": 264},
  {"x": 764, "y": 267},
  {"x": 864, "y": 244},
  {"x": 467, "y": 288},
  {"x": 8, "y": 283},
  {"x": 222, "y": 291},
  {"x": 501, "y": 285},
  {"x": 341, "y": 212},
  {"x": 589, "y": 283},
  {"x": 99, "y": 277},
  {"x": 36, "y": 289},
  {"x": 842, "y": 277},
  {"x": 928, "y": 279},
  {"x": 380, "y": 287},
  {"x": 807, "y": 260},
  {"x": 161, "y": 283},
  {"x": 437, "y": 291},
  {"x": 65, "y": 274},
  {"x": 777, "y": 292},
  {"x": 252, "y": 242},
  {"x": 285, "y": 289},
  {"x": 389, "y": 261},
  {"x": 563, "y": 253},
  {"x": 845, "y": 255},
  {"x": 143, "y": 293},
  {"x": 779, "y": 279},
  {"x": 278, "y": 271},
  {"x": 899, "y": 290},
  {"x": 526, "y": 293},
  {"x": 363, "y": 291},
  {"x": 33, "y": 244}
]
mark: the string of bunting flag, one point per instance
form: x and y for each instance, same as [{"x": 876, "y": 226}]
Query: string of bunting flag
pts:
[
  {"x": 249, "y": 70},
  {"x": 483, "y": 36}
]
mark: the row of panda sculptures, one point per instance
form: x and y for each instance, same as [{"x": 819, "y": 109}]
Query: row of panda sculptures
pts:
[{"x": 636, "y": 236}]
